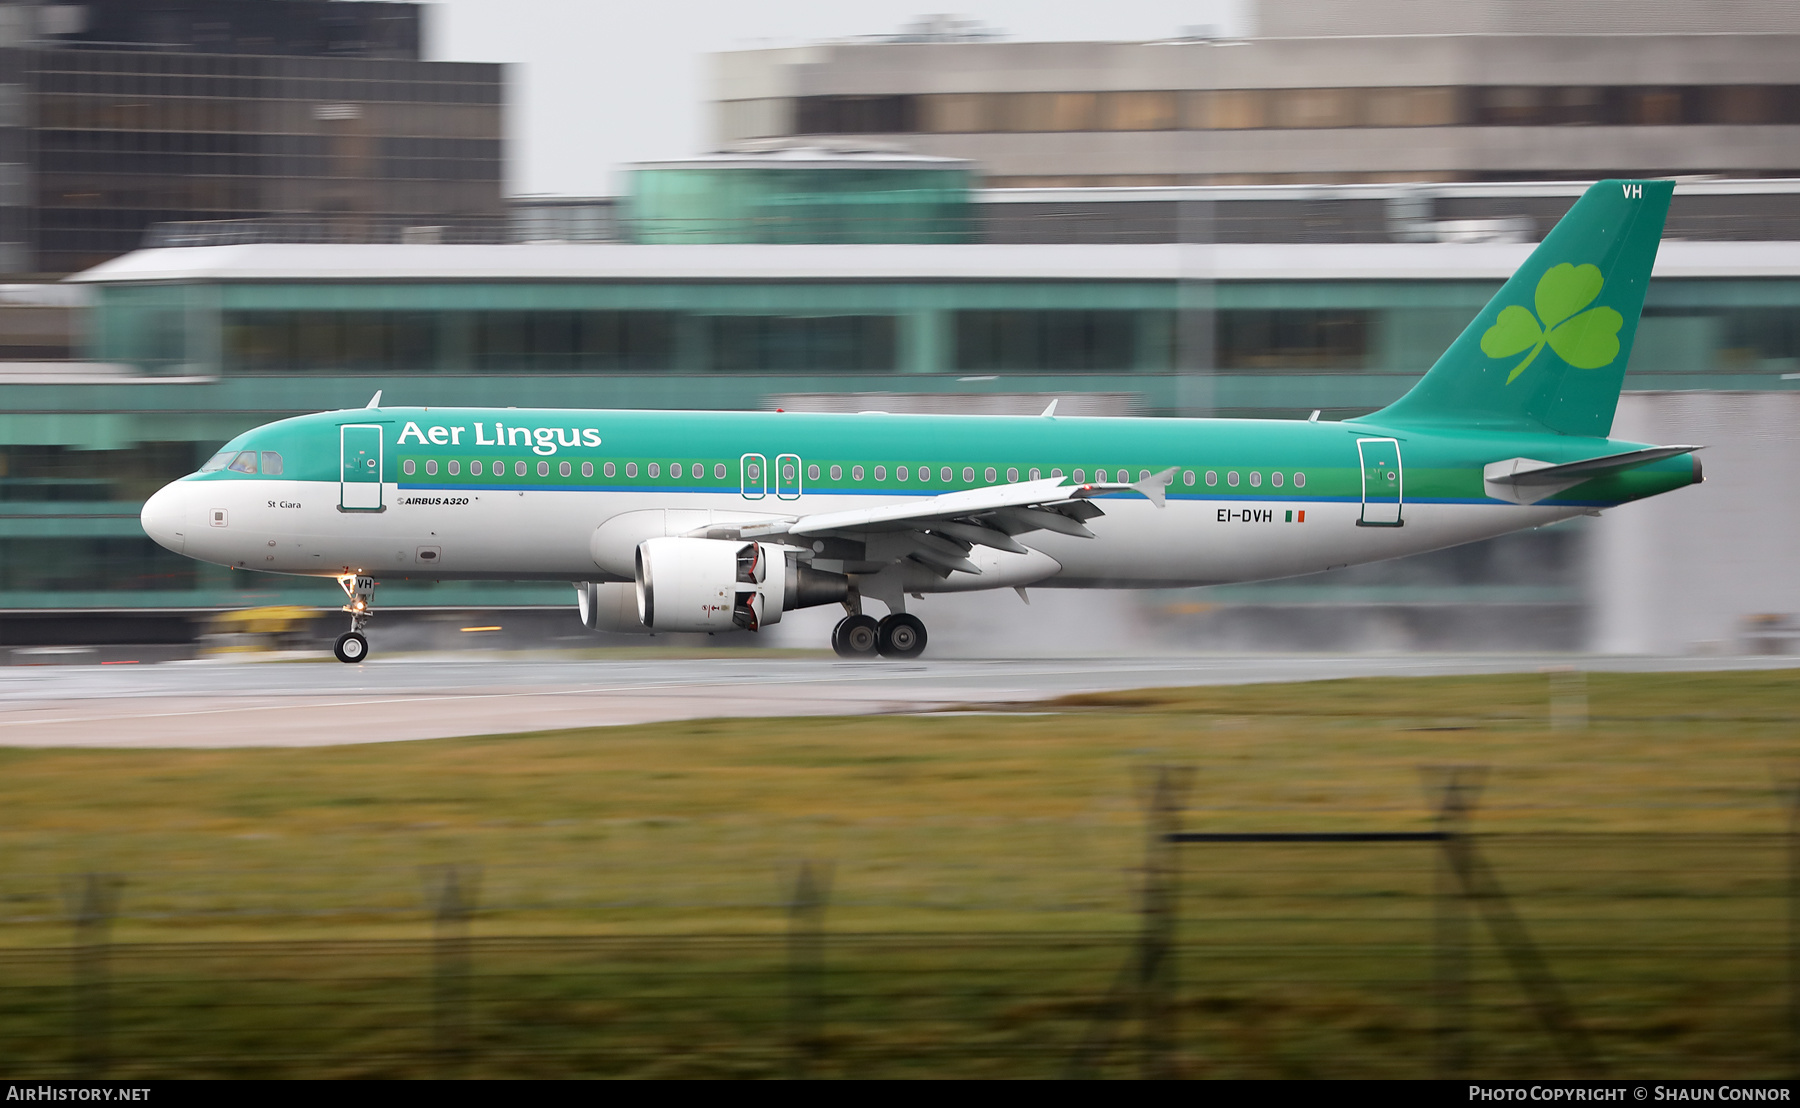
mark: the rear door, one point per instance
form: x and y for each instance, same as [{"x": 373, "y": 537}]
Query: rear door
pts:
[
  {"x": 1381, "y": 482},
  {"x": 359, "y": 449}
]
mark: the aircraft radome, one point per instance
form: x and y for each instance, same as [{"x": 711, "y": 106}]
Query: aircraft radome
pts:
[{"x": 724, "y": 521}]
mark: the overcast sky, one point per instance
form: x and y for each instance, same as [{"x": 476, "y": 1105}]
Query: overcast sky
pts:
[{"x": 597, "y": 83}]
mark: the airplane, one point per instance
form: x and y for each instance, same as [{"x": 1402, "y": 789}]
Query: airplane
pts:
[{"x": 697, "y": 521}]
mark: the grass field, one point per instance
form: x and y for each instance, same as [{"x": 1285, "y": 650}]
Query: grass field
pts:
[{"x": 273, "y": 915}]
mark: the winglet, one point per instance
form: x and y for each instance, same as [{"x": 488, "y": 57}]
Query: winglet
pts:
[
  {"x": 1051, "y": 410},
  {"x": 374, "y": 401},
  {"x": 1156, "y": 486}
]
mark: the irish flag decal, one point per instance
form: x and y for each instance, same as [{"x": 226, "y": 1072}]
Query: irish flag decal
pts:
[{"x": 1296, "y": 517}]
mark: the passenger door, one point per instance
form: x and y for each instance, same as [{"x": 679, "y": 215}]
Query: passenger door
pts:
[
  {"x": 1381, "y": 482},
  {"x": 359, "y": 449}
]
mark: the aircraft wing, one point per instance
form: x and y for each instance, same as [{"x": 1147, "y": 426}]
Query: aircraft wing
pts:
[{"x": 939, "y": 531}]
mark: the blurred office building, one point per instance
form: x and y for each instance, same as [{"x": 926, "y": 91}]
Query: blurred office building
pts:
[
  {"x": 116, "y": 115},
  {"x": 867, "y": 264},
  {"x": 1326, "y": 91}
]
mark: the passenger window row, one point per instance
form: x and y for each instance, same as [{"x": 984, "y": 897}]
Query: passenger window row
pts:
[{"x": 697, "y": 471}]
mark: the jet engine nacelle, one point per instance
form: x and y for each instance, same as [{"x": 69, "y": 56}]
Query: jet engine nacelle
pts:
[
  {"x": 721, "y": 584},
  {"x": 609, "y": 606}
]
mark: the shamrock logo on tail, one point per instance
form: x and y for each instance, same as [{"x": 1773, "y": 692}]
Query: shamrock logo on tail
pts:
[{"x": 1586, "y": 340}]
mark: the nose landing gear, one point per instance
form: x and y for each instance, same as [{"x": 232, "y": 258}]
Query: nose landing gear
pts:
[{"x": 352, "y": 646}]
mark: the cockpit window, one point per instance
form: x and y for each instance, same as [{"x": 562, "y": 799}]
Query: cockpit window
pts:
[
  {"x": 245, "y": 462},
  {"x": 217, "y": 461},
  {"x": 271, "y": 463}
]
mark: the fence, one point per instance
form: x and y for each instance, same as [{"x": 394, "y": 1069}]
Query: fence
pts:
[{"x": 1256, "y": 953}]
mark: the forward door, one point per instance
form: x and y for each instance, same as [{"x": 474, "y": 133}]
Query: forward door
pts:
[
  {"x": 359, "y": 449},
  {"x": 1381, "y": 482}
]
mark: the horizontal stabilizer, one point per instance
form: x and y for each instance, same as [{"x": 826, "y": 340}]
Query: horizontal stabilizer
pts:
[{"x": 1527, "y": 481}]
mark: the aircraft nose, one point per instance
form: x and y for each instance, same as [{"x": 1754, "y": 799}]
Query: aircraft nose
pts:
[{"x": 162, "y": 517}]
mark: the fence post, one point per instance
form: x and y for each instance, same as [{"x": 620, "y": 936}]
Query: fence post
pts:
[
  {"x": 452, "y": 891},
  {"x": 1457, "y": 789},
  {"x": 1157, "y": 982},
  {"x": 1793, "y": 936},
  {"x": 806, "y": 968},
  {"x": 92, "y": 900}
]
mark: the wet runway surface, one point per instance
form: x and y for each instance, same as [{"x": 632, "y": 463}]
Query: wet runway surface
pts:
[{"x": 221, "y": 704}]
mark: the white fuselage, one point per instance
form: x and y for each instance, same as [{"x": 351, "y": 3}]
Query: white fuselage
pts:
[{"x": 297, "y": 527}]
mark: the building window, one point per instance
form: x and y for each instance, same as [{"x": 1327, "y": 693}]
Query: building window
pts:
[
  {"x": 1137, "y": 111},
  {"x": 1242, "y": 109},
  {"x": 957, "y": 113},
  {"x": 1293, "y": 338},
  {"x": 785, "y": 344},
  {"x": 1411, "y": 107},
  {"x": 1040, "y": 341},
  {"x": 856, "y": 115},
  {"x": 1315, "y": 107}
]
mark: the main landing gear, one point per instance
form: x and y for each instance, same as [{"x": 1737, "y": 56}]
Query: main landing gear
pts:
[
  {"x": 897, "y": 636},
  {"x": 352, "y": 646}
]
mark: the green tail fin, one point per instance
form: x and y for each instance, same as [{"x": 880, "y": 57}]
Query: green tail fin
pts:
[{"x": 1549, "y": 351}]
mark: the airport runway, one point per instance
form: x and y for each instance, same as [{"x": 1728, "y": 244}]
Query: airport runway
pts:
[{"x": 224, "y": 704}]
